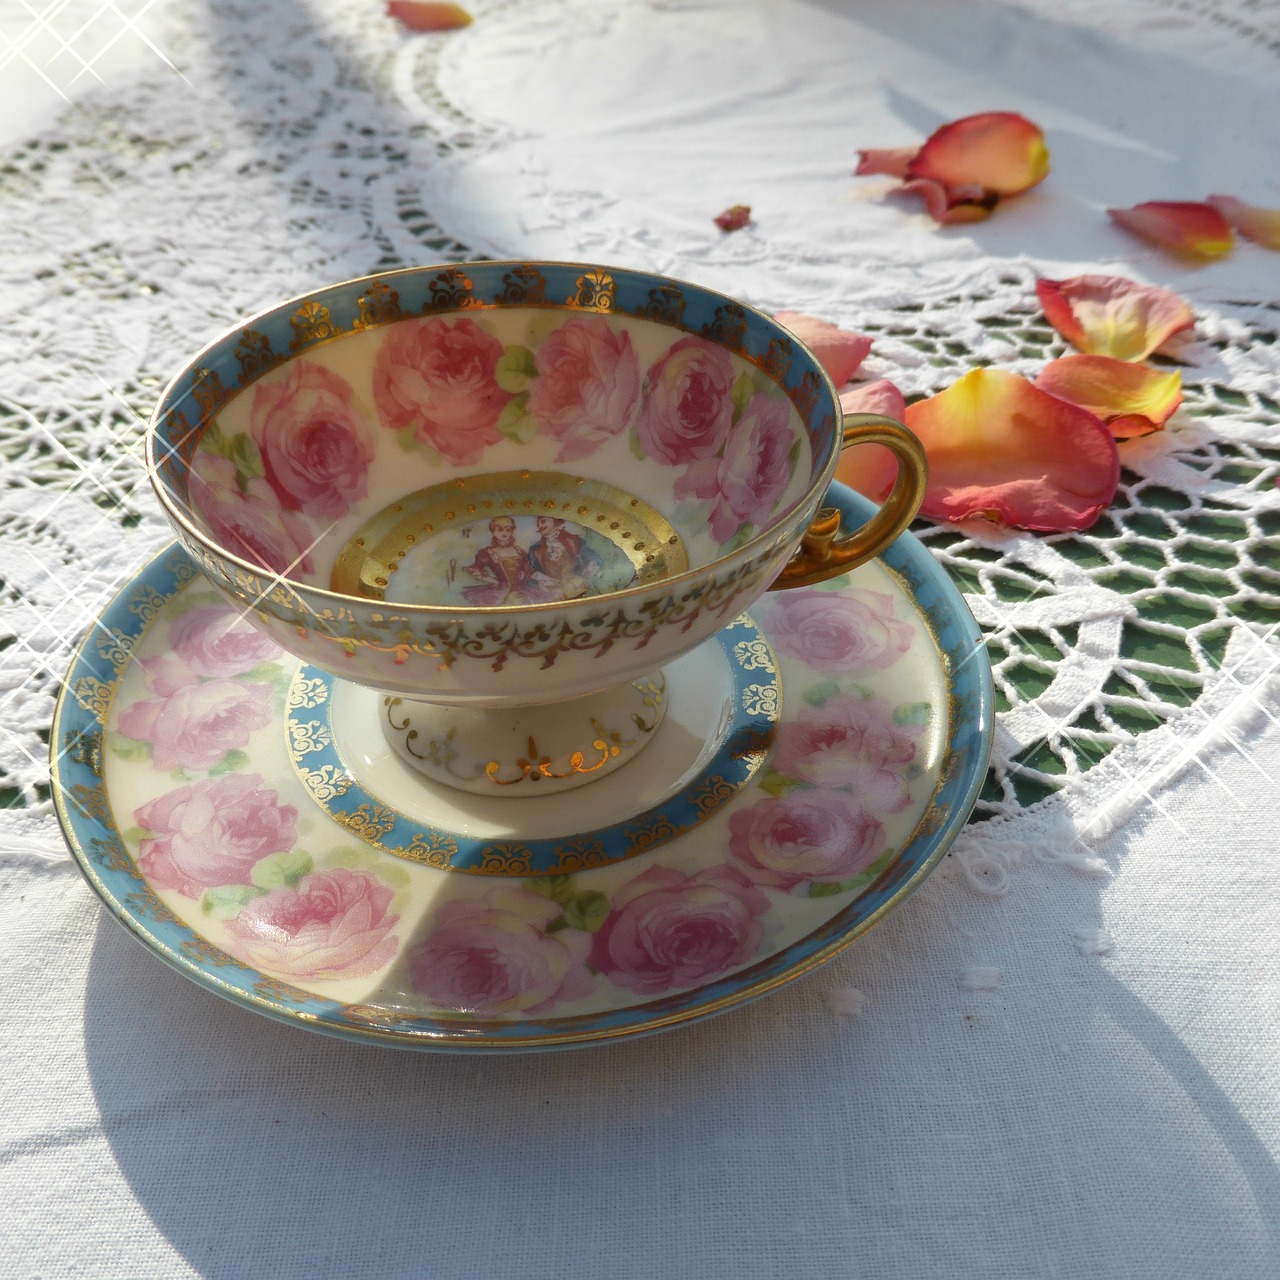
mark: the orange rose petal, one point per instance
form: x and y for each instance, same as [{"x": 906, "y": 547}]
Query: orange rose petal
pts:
[
  {"x": 891, "y": 160},
  {"x": 999, "y": 151},
  {"x": 1183, "y": 227},
  {"x": 1114, "y": 390},
  {"x": 1001, "y": 448},
  {"x": 422, "y": 15},
  {"x": 839, "y": 351},
  {"x": 952, "y": 205},
  {"x": 1112, "y": 316},
  {"x": 1131, "y": 426},
  {"x": 871, "y": 468},
  {"x": 1262, "y": 226}
]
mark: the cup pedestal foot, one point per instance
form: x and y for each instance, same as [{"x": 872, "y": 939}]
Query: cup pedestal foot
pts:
[{"x": 526, "y": 750}]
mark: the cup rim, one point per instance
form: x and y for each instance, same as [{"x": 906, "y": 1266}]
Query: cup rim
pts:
[{"x": 743, "y": 553}]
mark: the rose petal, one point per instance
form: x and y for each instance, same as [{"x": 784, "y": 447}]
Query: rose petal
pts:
[
  {"x": 734, "y": 218},
  {"x": 1112, "y": 316},
  {"x": 424, "y": 15},
  {"x": 1262, "y": 226},
  {"x": 1001, "y": 448},
  {"x": 1000, "y": 151},
  {"x": 893, "y": 161},
  {"x": 952, "y": 205},
  {"x": 1132, "y": 399},
  {"x": 871, "y": 468},
  {"x": 839, "y": 351},
  {"x": 1183, "y": 227}
]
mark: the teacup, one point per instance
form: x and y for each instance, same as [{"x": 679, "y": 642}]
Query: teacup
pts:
[{"x": 506, "y": 495}]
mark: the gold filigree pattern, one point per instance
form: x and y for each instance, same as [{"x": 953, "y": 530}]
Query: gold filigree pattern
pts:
[
  {"x": 595, "y": 291},
  {"x": 525, "y": 285},
  {"x": 431, "y": 848},
  {"x": 777, "y": 361},
  {"x": 145, "y": 602},
  {"x": 451, "y": 291},
  {"x": 505, "y": 859},
  {"x": 308, "y": 737},
  {"x": 85, "y": 749},
  {"x": 94, "y": 696},
  {"x": 204, "y": 952},
  {"x": 306, "y": 692},
  {"x": 111, "y": 855},
  {"x": 761, "y": 700},
  {"x": 275, "y": 989},
  {"x": 579, "y": 854},
  {"x": 712, "y": 795},
  {"x": 754, "y": 655},
  {"x": 146, "y": 902},
  {"x": 91, "y": 801},
  {"x": 254, "y": 355},
  {"x": 379, "y": 304},
  {"x": 115, "y": 647},
  {"x": 311, "y": 323},
  {"x": 645, "y": 835},
  {"x": 208, "y": 391},
  {"x": 370, "y": 822},
  {"x": 729, "y": 328},
  {"x": 805, "y": 396},
  {"x": 326, "y": 783},
  {"x": 665, "y": 305}
]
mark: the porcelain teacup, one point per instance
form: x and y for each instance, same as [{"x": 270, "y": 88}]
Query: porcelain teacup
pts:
[{"x": 506, "y": 495}]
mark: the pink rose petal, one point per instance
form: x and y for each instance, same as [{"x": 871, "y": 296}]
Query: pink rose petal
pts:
[
  {"x": 839, "y": 351},
  {"x": 1184, "y": 228},
  {"x": 1262, "y": 226},
  {"x": 1112, "y": 316}
]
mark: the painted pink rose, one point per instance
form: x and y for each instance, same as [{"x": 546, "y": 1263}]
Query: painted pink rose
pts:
[
  {"x": 688, "y": 406},
  {"x": 197, "y": 725},
  {"x": 439, "y": 380},
  {"x": 587, "y": 388},
  {"x": 745, "y": 482},
  {"x": 331, "y": 924},
  {"x": 215, "y": 641},
  {"x": 668, "y": 929},
  {"x": 493, "y": 955},
  {"x": 854, "y": 743},
  {"x": 853, "y": 632},
  {"x": 825, "y": 836},
  {"x": 211, "y": 833},
  {"x": 249, "y": 522},
  {"x": 315, "y": 446}
]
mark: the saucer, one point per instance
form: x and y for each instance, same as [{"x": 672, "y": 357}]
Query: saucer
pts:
[{"x": 245, "y": 817}]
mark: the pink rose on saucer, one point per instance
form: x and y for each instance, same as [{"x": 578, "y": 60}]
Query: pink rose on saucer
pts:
[
  {"x": 668, "y": 929},
  {"x": 249, "y": 522},
  {"x": 493, "y": 955},
  {"x": 212, "y": 832},
  {"x": 852, "y": 743},
  {"x": 688, "y": 406},
  {"x": 852, "y": 632},
  {"x": 747, "y": 480},
  {"x": 331, "y": 924},
  {"x": 587, "y": 388},
  {"x": 197, "y": 725},
  {"x": 825, "y": 836},
  {"x": 315, "y": 446},
  {"x": 439, "y": 379},
  {"x": 215, "y": 642}
]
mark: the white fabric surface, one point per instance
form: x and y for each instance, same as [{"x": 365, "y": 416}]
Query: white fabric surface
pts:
[{"x": 1059, "y": 1059}]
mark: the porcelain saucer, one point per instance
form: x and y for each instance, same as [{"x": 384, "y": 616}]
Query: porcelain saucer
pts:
[{"x": 245, "y": 817}]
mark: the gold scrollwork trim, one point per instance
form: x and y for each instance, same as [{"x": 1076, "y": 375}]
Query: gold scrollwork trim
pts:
[
  {"x": 594, "y": 291},
  {"x": 379, "y": 304},
  {"x": 311, "y": 323}
]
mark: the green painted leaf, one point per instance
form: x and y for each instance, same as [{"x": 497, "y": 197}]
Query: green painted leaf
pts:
[
  {"x": 234, "y": 759},
  {"x": 587, "y": 910},
  {"x": 281, "y": 869},
  {"x": 514, "y": 421},
  {"x": 134, "y": 835},
  {"x": 228, "y": 901},
  {"x": 912, "y": 713},
  {"x": 824, "y": 889},
  {"x": 777, "y": 784},
  {"x": 740, "y": 539},
  {"x": 215, "y": 441},
  {"x": 556, "y": 925},
  {"x": 244, "y": 453},
  {"x": 515, "y": 368},
  {"x": 128, "y": 748},
  {"x": 742, "y": 393},
  {"x": 636, "y": 447},
  {"x": 793, "y": 456},
  {"x": 407, "y": 439},
  {"x": 817, "y": 695},
  {"x": 558, "y": 888},
  {"x": 267, "y": 672}
]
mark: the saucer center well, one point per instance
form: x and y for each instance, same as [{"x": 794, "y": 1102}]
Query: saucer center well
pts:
[
  {"x": 725, "y": 703},
  {"x": 509, "y": 539}
]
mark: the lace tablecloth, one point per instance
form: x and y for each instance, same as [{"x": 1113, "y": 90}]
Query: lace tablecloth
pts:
[{"x": 1059, "y": 1059}]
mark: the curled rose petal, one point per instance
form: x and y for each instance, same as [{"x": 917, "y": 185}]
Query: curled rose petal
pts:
[
  {"x": 1112, "y": 316},
  {"x": 952, "y": 205},
  {"x": 871, "y": 468},
  {"x": 734, "y": 218},
  {"x": 999, "y": 151},
  {"x": 892, "y": 161},
  {"x": 1262, "y": 226},
  {"x": 1132, "y": 399},
  {"x": 1183, "y": 227},
  {"x": 839, "y": 351},
  {"x": 425, "y": 15},
  {"x": 1001, "y": 448}
]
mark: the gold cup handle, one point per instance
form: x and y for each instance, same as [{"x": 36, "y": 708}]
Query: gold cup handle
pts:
[{"x": 821, "y": 554}]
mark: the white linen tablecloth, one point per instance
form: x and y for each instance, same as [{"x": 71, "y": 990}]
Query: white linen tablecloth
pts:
[{"x": 1059, "y": 1058}]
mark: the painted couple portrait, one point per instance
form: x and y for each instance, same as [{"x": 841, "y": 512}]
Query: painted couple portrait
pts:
[{"x": 558, "y": 565}]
